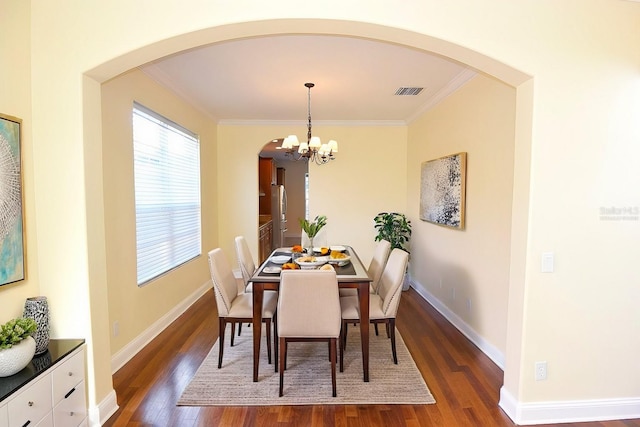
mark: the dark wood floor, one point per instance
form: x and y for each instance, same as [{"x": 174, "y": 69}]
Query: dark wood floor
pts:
[{"x": 464, "y": 382}]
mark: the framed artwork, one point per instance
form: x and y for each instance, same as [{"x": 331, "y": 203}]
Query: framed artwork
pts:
[
  {"x": 442, "y": 190},
  {"x": 12, "y": 262}
]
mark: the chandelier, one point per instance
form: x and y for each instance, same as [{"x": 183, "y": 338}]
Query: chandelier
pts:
[{"x": 313, "y": 150}]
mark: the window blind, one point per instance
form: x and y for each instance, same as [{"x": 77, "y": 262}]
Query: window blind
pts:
[{"x": 167, "y": 194}]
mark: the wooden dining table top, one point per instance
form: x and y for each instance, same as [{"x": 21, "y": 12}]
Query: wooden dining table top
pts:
[{"x": 354, "y": 271}]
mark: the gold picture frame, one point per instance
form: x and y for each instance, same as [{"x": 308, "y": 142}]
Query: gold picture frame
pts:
[{"x": 12, "y": 248}]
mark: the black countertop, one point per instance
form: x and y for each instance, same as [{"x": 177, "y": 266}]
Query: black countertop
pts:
[{"x": 58, "y": 349}]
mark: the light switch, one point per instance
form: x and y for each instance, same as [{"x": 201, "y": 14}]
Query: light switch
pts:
[{"x": 547, "y": 262}]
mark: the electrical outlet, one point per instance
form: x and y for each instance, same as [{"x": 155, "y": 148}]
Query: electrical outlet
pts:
[
  {"x": 541, "y": 371},
  {"x": 116, "y": 328}
]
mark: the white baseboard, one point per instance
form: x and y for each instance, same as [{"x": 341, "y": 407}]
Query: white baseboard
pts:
[
  {"x": 100, "y": 414},
  {"x": 568, "y": 411},
  {"x": 487, "y": 348},
  {"x": 127, "y": 352}
]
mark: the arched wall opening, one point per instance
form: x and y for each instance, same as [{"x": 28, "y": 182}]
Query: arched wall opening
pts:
[{"x": 484, "y": 64}]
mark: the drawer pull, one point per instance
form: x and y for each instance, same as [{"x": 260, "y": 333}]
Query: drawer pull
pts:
[
  {"x": 70, "y": 374},
  {"x": 71, "y": 413},
  {"x": 69, "y": 394},
  {"x": 30, "y": 403},
  {"x": 26, "y": 424}
]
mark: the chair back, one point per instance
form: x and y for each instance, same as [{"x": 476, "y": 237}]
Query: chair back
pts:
[
  {"x": 224, "y": 282},
  {"x": 390, "y": 288},
  {"x": 379, "y": 260},
  {"x": 309, "y": 304},
  {"x": 245, "y": 259}
]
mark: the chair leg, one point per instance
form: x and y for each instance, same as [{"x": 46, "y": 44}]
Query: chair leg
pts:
[
  {"x": 332, "y": 346},
  {"x": 375, "y": 326},
  {"x": 392, "y": 328},
  {"x": 239, "y": 328},
  {"x": 222, "y": 324},
  {"x": 275, "y": 341},
  {"x": 388, "y": 332},
  {"x": 283, "y": 348},
  {"x": 233, "y": 332},
  {"x": 342, "y": 347},
  {"x": 268, "y": 330}
]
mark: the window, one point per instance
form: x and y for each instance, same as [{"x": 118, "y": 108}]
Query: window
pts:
[{"x": 166, "y": 160}]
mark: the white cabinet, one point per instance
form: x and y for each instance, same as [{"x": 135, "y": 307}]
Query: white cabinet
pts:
[
  {"x": 69, "y": 405},
  {"x": 4, "y": 416},
  {"x": 52, "y": 397},
  {"x": 31, "y": 404}
]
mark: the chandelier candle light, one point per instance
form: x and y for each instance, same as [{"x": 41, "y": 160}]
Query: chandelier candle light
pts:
[{"x": 313, "y": 150}]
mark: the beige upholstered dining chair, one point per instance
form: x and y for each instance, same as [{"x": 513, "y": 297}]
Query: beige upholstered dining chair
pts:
[
  {"x": 383, "y": 306},
  {"x": 308, "y": 310},
  {"x": 379, "y": 260},
  {"x": 234, "y": 307},
  {"x": 245, "y": 261}
]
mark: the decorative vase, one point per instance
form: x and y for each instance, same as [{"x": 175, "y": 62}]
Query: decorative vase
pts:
[
  {"x": 14, "y": 359},
  {"x": 310, "y": 248},
  {"x": 37, "y": 308}
]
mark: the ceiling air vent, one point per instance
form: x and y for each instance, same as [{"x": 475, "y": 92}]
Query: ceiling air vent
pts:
[{"x": 408, "y": 91}]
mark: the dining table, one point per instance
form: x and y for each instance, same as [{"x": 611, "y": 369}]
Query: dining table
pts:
[{"x": 351, "y": 274}]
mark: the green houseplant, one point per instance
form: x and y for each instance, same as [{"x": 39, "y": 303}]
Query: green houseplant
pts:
[
  {"x": 16, "y": 330},
  {"x": 311, "y": 228},
  {"x": 17, "y": 346},
  {"x": 393, "y": 227}
]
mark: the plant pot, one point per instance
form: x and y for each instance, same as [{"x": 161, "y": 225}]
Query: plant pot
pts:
[
  {"x": 14, "y": 359},
  {"x": 406, "y": 283}
]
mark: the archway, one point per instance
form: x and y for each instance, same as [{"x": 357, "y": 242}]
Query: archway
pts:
[{"x": 374, "y": 32}]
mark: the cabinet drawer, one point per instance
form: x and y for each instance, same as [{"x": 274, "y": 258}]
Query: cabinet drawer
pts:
[
  {"x": 47, "y": 421},
  {"x": 67, "y": 376},
  {"x": 31, "y": 404},
  {"x": 72, "y": 410},
  {"x": 4, "y": 416}
]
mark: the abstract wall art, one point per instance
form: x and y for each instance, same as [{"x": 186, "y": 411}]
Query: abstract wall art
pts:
[
  {"x": 442, "y": 190},
  {"x": 11, "y": 215}
]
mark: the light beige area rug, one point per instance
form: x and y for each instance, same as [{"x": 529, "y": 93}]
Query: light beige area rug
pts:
[{"x": 307, "y": 380}]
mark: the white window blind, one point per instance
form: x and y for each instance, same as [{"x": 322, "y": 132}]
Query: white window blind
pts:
[{"x": 167, "y": 193}]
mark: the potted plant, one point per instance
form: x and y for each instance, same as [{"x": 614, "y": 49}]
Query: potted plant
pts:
[
  {"x": 311, "y": 228},
  {"x": 17, "y": 346},
  {"x": 395, "y": 228}
]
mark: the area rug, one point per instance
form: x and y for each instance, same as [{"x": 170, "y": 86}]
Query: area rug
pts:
[{"x": 307, "y": 380}]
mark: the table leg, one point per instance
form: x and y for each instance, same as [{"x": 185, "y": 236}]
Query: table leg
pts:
[
  {"x": 363, "y": 298},
  {"x": 258, "y": 293}
]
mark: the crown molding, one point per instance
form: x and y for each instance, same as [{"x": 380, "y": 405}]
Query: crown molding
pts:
[{"x": 456, "y": 83}]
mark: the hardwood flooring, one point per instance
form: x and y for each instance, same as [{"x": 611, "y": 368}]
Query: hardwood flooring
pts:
[{"x": 464, "y": 382}]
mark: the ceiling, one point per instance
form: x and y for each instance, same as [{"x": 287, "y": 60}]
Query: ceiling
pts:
[{"x": 262, "y": 79}]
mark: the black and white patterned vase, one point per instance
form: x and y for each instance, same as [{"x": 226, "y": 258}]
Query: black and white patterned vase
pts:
[{"x": 37, "y": 308}]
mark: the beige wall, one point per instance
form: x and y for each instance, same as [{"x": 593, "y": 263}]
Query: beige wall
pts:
[
  {"x": 15, "y": 101},
  {"x": 575, "y": 68},
  {"x": 470, "y": 266},
  {"x": 358, "y": 168},
  {"x": 136, "y": 308}
]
